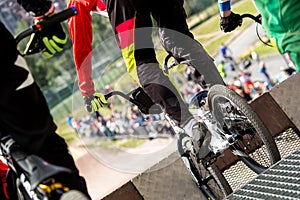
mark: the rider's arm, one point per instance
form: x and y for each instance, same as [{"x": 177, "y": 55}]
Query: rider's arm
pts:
[
  {"x": 81, "y": 35},
  {"x": 48, "y": 42},
  {"x": 228, "y": 19}
]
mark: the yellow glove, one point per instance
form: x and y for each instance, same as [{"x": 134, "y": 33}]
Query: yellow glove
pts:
[
  {"x": 94, "y": 102},
  {"x": 48, "y": 41}
]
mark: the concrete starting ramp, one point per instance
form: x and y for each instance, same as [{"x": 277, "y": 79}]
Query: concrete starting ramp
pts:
[{"x": 280, "y": 111}]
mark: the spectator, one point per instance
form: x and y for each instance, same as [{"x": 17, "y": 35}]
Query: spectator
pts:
[
  {"x": 255, "y": 57},
  {"x": 285, "y": 73},
  {"x": 101, "y": 124},
  {"x": 237, "y": 86},
  {"x": 221, "y": 69},
  {"x": 225, "y": 55},
  {"x": 248, "y": 85},
  {"x": 113, "y": 126},
  {"x": 265, "y": 75},
  {"x": 224, "y": 52},
  {"x": 188, "y": 73}
]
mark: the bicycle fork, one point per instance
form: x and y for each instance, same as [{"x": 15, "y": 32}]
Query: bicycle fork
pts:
[{"x": 220, "y": 140}]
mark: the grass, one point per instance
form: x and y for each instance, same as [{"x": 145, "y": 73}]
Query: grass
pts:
[
  {"x": 262, "y": 49},
  {"x": 116, "y": 144},
  {"x": 131, "y": 143}
]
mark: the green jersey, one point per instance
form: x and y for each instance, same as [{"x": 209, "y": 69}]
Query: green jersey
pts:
[{"x": 280, "y": 19}]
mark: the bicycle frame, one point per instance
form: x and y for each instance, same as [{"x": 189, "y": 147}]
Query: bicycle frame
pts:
[
  {"x": 219, "y": 140},
  {"x": 30, "y": 170}
]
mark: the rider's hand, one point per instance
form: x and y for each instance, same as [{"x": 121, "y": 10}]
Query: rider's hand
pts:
[
  {"x": 94, "y": 102},
  {"x": 231, "y": 22},
  {"x": 49, "y": 41}
]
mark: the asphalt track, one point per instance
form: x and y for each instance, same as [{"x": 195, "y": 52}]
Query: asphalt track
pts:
[{"x": 105, "y": 170}]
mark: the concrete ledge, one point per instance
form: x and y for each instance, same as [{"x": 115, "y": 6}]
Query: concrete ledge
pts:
[
  {"x": 126, "y": 192},
  {"x": 172, "y": 181},
  {"x": 287, "y": 96},
  {"x": 167, "y": 179}
]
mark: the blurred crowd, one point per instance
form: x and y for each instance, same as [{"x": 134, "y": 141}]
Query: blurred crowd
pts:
[
  {"x": 242, "y": 82},
  {"x": 130, "y": 123},
  {"x": 133, "y": 123}
]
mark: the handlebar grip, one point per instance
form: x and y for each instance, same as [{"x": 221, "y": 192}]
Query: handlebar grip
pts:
[
  {"x": 56, "y": 18},
  {"x": 108, "y": 95},
  {"x": 254, "y": 18}
]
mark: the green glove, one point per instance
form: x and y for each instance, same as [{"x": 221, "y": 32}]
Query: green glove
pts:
[
  {"x": 94, "y": 102},
  {"x": 48, "y": 41}
]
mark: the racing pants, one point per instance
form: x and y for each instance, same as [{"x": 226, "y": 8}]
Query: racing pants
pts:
[{"x": 132, "y": 22}]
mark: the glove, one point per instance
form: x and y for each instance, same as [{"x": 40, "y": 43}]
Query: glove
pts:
[
  {"x": 231, "y": 22},
  {"x": 94, "y": 102},
  {"x": 48, "y": 41}
]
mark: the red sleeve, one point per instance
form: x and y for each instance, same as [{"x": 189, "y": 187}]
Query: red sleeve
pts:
[
  {"x": 80, "y": 27},
  {"x": 3, "y": 175},
  {"x": 100, "y": 5}
]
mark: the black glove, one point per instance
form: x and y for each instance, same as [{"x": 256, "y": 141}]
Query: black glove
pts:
[
  {"x": 230, "y": 23},
  {"x": 94, "y": 102},
  {"x": 48, "y": 41}
]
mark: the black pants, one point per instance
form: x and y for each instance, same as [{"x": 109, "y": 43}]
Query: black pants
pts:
[
  {"x": 132, "y": 22},
  {"x": 24, "y": 113}
]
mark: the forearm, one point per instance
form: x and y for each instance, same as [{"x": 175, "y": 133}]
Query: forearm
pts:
[
  {"x": 37, "y": 7},
  {"x": 225, "y": 7},
  {"x": 81, "y": 35}
]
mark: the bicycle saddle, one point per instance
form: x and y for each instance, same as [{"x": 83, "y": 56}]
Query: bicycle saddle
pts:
[{"x": 36, "y": 169}]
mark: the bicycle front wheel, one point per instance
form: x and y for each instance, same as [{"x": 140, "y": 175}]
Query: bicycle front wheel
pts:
[
  {"x": 208, "y": 178},
  {"x": 254, "y": 144}
]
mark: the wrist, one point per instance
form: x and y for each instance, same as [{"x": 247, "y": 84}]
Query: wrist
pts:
[
  {"x": 225, "y": 13},
  {"x": 88, "y": 99},
  {"x": 50, "y": 11}
]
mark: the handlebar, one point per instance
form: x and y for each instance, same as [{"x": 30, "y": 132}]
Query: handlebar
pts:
[
  {"x": 119, "y": 93},
  {"x": 167, "y": 67},
  {"x": 47, "y": 23},
  {"x": 256, "y": 18},
  {"x": 139, "y": 98}
]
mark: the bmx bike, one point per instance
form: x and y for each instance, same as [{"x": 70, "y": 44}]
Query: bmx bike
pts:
[
  {"x": 233, "y": 125},
  {"x": 29, "y": 176}
]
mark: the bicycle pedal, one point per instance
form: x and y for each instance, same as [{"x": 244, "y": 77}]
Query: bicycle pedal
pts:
[{"x": 209, "y": 159}]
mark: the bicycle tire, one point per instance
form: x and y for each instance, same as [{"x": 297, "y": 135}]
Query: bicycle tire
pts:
[
  {"x": 258, "y": 147},
  {"x": 208, "y": 179},
  {"x": 73, "y": 195}
]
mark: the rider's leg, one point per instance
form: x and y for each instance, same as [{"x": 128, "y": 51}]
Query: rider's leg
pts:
[
  {"x": 177, "y": 39},
  {"x": 139, "y": 54},
  {"x": 132, "y": 30}
]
